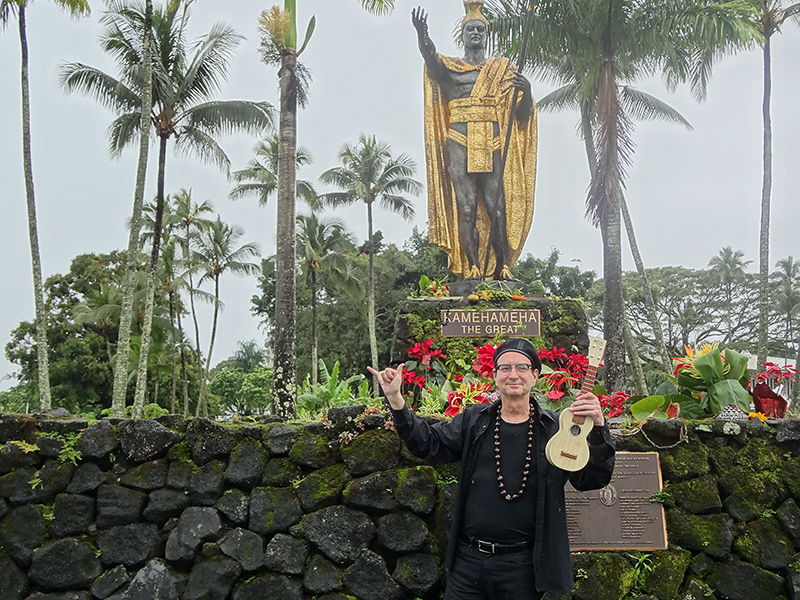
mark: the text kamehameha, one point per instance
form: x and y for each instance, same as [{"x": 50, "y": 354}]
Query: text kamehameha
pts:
[{"x": 458, "y": 323}]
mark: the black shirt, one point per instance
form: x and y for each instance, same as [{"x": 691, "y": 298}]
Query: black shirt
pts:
[{"x": 488, "y": 515}]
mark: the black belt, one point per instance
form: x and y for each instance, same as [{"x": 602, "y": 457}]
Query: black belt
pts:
[{"x": 494, "y": 548}]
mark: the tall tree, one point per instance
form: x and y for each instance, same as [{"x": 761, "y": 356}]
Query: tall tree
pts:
[
  {"x": 216, "y": 252},
  {"x": 76, "y": 8},
  {"x": 183, "y": 100},
  {"x": 727, "y": 268},
  {"x": 369, "y": 174},
  {"x": 594, "y": 46},
  {"x": 279, "y": 47},
  {"x": 322, "y": 247},
  {"x": 788, "y": 276},
  {"x": 771, "y": 15}
]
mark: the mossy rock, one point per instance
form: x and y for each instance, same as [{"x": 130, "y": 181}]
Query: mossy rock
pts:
[
  {"x": 764, "y": 543},
  {"x": 722, "y": 459},
  {"x": 790, "y": 473},
  {"x": 610, "y": 577},
  {"x": 712, "y": 534},
  {"x": 751, "y": 493},
  {"x": 697, "y": 496},
  {"x": 373, "y": 494},
  {"x": 738, "y": 580},
  {"x": 279, "y": 437},
  {"x": 665, "y": 577},
  {"x": 280, "y": 472},
  {"x": 373, "y": 450},
  {"x": 311, "y": 451},
  {"x": 685, "y": 462},
  {"x": 322, "y": 488},
  {"x": 760, "y": 454},
  {"x": 416, "y": 489}
]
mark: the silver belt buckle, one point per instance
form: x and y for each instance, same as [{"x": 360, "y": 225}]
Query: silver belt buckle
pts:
[{"x": 481, "y": 545}]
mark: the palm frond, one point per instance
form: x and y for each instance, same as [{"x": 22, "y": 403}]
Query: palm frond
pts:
[
  {"x": 378, "y": 7},
  {"x": 644, "y": 107},
  {"x": 202, "y": 145},
  {"x": 107, "y": 90},
  {"x": 565, "y": 97},
  {"x": 122, "y": 132},
  {"x": 229, "y": 116},
  {"x": 209, "y": 65},
  {"x": 398, "y": 204}
]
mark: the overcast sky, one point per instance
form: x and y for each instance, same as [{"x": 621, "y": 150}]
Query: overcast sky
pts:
[{"x": 690, "y": 192}]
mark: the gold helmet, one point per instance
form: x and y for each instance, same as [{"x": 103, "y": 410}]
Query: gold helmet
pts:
[{"x": 473, "y": 9}]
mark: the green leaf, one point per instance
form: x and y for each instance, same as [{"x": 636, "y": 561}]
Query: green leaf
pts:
[
  {"x": 709, "y": 365},
  {"x": 651, "y": 406},
  {"x": 690, "y": 409},
  {"x": 309, "y": 31},
  {"x": 666, "y": 388},
  {"x": 728, "y": 391},
  {"x": 597, "y": 390},
  {"x": 737, "y": 363},
  {"x": 688, "y": 380}
]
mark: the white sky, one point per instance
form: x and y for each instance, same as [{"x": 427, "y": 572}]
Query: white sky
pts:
[{"x": 690, "y": 192}]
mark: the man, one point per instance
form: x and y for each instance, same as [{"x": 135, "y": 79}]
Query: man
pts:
[
  {"x": 468, "y": 104},
  {"x": 509, "y": 535}
]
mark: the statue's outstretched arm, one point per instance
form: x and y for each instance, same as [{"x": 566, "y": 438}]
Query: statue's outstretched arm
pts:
[{"x": 419, "y": 18}]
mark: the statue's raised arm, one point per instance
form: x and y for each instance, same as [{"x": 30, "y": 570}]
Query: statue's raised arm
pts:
[{"x": 419, "y": 18}]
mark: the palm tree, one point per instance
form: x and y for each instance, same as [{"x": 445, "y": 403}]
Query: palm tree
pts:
[
  {"x": 215, "y": 253},
  {"x": 788, "y": 276},
  {"x": 76, "y": 8},
  {"x": 183, "y": 104},
  {"x": 279, "y": 47},
  {"x": 727, "y": 268},
  {"x": 260, "y": 178},
  {"x": 249, "y": 355},
  {"x": 370, "y": 173},
  {"x": 323, "y": 246},
  {"x": 593, "y": 46},
  {"x": 771, "y": 15}
]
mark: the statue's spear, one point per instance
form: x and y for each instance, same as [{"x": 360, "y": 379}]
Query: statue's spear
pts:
[{"x": 526, "y": 34}]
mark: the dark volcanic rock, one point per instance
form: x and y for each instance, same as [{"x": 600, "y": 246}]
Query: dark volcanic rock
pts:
[
  {"x": 67, "y": 564},
  {"x": 235, "y": 506},
  {"x": 321, "y": 576},
  {"x": 196, "y": 525},
  {"x": 368, "y": 579},
  {"x": 372, "y": 493},
  {"x": 340, "y": 533},
  {"x": 712, "y": 535},
  {"x": 12, "y": 579},
  {"x": 273, "y": 510},
  {"x": 207, "y": 484},
  {"x": 286, "y": 554},
  {"x": 164, "y": 504},
  {"x": 402, "y": 532},
  {"x": 83, "y": 595},
  {"x": 269, "y": 587},
  {"x": 17, "y": 427},
  {"x": 737, "y": 580},
  {"x": 156, "y": 581},
  {"x": 311, "y": 451},
  {"x": 246, "y": 465},
  {"x": 22, "y": 531},
  {"x": 374, "y": 450},
  {"x": 208, "y": 440},
  {"x": 280, "y": 437},
  {"x": 98, "y": 441},
  {"x": 13, "y": 457},
  {"x": 180, "y": 473},
  {"x": 212, "y": 579},
  {"x": 63, "y": 426},
  {"x": 764, "y": 543},
  {"x": 109, "y": 582},
  {"x": 280, "y": 472},
  {"x": 418, "y": 573},
  {"x": 86, "y": 479},
  {"x": 416, "y": 489},
  {"x": 72, "y": 515},
  {"x": 244, "y": 546},
  {"x": 322, "y": 488},
  {"x": 146, "y": 477},
  {"x": 145, "y": 439},
  {"x": 131, "y": 545},
  {"x": 41, "y": 487},
  {"x": 49, "y": 447},
  {"x": 117, "y": 505},
  {"x": 789, "y": 515}
]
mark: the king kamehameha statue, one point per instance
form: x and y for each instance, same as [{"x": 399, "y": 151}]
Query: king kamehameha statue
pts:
[{"x": 469, "y": 103}]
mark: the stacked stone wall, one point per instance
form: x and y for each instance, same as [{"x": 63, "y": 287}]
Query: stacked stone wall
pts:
[{"x": 173, "y": 509}]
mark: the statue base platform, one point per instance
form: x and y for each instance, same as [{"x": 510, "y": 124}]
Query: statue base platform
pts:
[{"x": 465, "y": 287}]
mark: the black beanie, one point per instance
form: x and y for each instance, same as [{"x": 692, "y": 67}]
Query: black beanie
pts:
[{"x": 523, "y": 347}]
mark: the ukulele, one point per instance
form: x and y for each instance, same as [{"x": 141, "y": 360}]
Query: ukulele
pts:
[{"x": 568, "y": 449}]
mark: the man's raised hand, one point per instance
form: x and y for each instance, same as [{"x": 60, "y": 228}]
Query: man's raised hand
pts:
[{"x": 391, "y": 380}]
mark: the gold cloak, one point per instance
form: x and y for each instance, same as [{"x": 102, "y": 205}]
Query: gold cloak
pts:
[{"x": 519, "y": 178}]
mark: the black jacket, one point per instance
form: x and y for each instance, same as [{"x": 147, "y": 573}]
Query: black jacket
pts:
[{"x": 457, "y": 440}]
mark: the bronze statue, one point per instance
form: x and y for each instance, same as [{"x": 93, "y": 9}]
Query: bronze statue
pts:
[{"x": 468, "y": 105}]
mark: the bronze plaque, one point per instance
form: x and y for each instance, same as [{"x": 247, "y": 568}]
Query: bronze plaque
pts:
[
  {"x": 620, "y": 516},
  {"x": 491, "y": 322}
]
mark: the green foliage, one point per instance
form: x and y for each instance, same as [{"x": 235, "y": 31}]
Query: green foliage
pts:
[
  {"x": 18, "y": 399},
  {"x": 242, "y": 392},
  {"x": 661, "y": 497},
  {"x": 547, "y": 276},
  {"x": 24, "y": 446},
  {"x": 68, "y": 453},
  {"x": 330, "y": 391}
]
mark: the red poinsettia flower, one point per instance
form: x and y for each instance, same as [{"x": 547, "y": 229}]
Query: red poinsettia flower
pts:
[
  {"x": 423, "y": 353},
  {"x": 554, "y": 395},
  {"x": 577, "y": 364},
  {"x": 613, "y": 404},
  {"x": 484, "y": 362},
  {"x": 768, "y": 402},
  {"x": 411, "y": 378}
]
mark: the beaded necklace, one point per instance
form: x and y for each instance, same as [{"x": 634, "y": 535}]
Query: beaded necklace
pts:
[{"x": 503, "y": 492}]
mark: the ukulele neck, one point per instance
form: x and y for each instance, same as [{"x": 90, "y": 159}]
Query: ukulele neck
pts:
[{"x": 588, "y": 384}]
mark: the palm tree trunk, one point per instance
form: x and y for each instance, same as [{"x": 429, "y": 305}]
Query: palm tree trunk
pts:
[
  {"x": 649, "y": 303},
  {"x": 612, "y": 300},
  {"x": 33, "y": 235},
  {"x": 131, "y": 262},
  {"x": 314, "y": 340},
  {"x": 174, "y": 392},
  {"x": 284, "y": 389},
  {"x": 185, "y": 382},
  {"x": 633, "y": 355},
  {"x": 190, "y": 266},
  {"x": 147, "y": 326},
  {"x": 766, "y": 191},
  {"x": 373, "y": 341},
  {"x": 201, "y": 405}
]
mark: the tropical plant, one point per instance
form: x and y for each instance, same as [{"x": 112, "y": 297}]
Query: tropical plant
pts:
[
  {"x": 183, "y": 103},
  {"x": 727, "y": 268},
  {"x": 279, "y": 47},
  {"x": 369, "y": 174},
  {"x": 216, "y": 252},
  {"x": 714, "y": 378},
  {"x": 323, "y": 247},
  {"x": 592, "y": 47},
  {"x": 76, "y": 8},
  {"x": 330, "y": 391},
  {"x": 771, "y": 15}
]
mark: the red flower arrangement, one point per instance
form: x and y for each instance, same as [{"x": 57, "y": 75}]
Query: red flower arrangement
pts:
[
  {"x": 423, "y": 353},
  {"x": 484, "y": 362},
  {"x": 613, "y": 404}
]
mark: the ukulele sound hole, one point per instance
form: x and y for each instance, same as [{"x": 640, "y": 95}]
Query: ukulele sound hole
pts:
[{"x": 575, "y": 430}]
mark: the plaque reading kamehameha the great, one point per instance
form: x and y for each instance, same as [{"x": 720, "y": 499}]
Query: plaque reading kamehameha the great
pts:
[
  {"x": 620, "y": 516},
  {"x": 490, "y": 322}
]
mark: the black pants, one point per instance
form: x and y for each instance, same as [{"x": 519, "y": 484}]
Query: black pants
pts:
[{"x": 477, "y": 575}]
